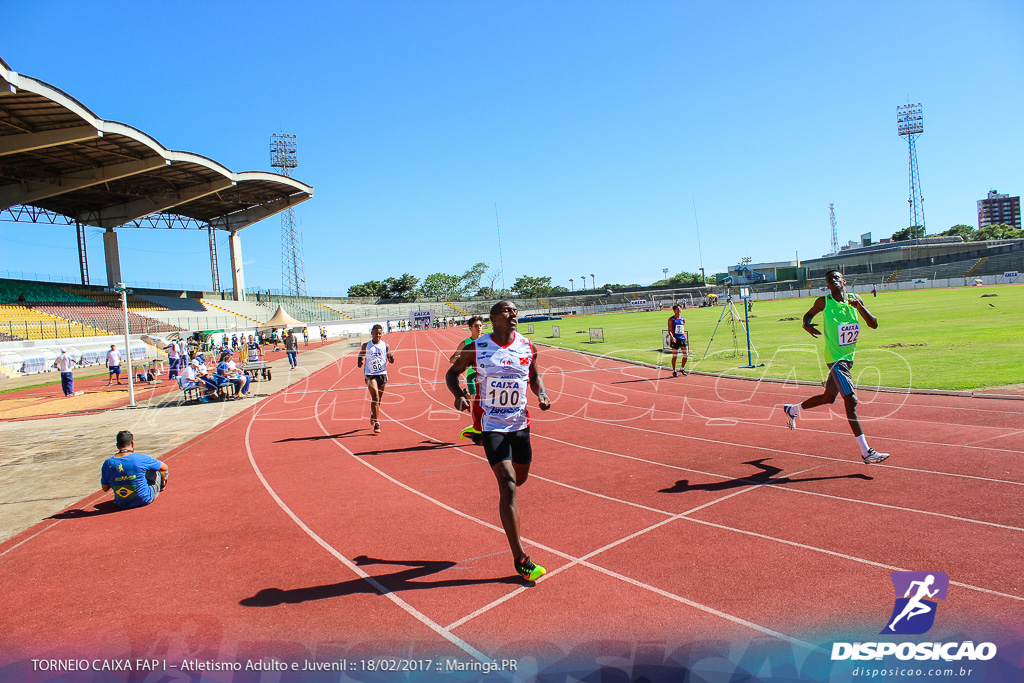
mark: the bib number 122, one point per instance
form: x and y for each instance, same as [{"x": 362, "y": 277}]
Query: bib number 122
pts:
[{"x": 848, "y": 334}]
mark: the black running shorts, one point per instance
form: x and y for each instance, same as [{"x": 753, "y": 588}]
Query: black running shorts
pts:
[
  {"x": 381, "y": 379},
  {"x": 839, "y": 380},
  {"x": 679, "y": 343},
  {"x": 502, "y": 446}
]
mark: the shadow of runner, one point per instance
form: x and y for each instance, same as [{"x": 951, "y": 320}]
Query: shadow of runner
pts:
[
  {"x": 426, "y": 446},
  {"x": 392, "y": 583},
  {"x": 320, "y": 437},
  {"x": 761, "y": 478}
]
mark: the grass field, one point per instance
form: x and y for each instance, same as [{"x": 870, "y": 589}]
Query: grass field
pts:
[{"x": 926, "y": 339}]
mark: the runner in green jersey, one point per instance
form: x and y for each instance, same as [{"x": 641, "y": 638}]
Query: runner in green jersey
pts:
[
  {"x": 476, "y": 326},
  {"x": 842, "y": 329}
]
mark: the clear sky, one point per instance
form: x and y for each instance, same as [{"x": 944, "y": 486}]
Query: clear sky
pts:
[{"x": 595, "y": 128}]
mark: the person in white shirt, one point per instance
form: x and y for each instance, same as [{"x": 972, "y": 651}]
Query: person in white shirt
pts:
[
  {"x": 113, "y": 364},
  {"x": 173, "y": 360},
  {"x": 65, "y": 364},
  {"x": 190, "y": 379}
]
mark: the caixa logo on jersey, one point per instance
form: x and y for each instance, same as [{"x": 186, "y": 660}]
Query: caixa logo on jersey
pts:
[{"x": 913, "y": 613}]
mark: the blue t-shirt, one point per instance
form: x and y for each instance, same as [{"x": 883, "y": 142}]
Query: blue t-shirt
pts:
[{"x": 126, "y": 474}]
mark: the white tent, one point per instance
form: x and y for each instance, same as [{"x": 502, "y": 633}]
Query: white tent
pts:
[{"x": 281, "y": 319}]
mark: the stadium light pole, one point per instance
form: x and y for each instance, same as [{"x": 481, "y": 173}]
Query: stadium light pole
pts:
[
  {"x": 127, "y": 346},
  {"x": 571, "y": 289},
  {"x": 593, "y": 281}
]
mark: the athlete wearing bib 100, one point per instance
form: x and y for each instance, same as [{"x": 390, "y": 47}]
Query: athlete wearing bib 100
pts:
[{"x": 503, "y": 378}]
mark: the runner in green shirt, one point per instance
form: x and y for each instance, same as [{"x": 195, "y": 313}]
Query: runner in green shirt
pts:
[
  {"x": 842, "y": 329},
  {"x": 476, "y": 326}
]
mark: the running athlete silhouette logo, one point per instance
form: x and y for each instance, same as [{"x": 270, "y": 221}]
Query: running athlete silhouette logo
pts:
[{"x": 915, "y": 612}]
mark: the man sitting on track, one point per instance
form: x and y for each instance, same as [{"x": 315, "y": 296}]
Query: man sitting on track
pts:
[
  {"x": 505, "y": 362},
  {"x": 136, "y": 478},
  {"x": 376, "y": 355},
  {"x": 842, "y": 328},
  {"x": 476, "y": 325},
  {"x": 678, "y": 339}
]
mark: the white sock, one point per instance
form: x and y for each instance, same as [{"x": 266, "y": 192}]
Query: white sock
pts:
[{"x": 863, "y": 443}]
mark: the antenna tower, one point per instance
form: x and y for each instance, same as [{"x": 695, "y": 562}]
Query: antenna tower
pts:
[
  {"x": 835, "y": 235},
  {"x": 910, "y": 124},
  {"x": 283, "y": 156}
]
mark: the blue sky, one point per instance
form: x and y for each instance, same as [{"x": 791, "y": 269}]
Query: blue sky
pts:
[{"x": 595, "y": 128}]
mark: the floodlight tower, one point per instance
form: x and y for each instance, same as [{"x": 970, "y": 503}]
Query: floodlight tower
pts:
[
  {"x": 835, "y": 235},
  {"x": 910, "y": 124},
  {"x": 283, "y": 156}
]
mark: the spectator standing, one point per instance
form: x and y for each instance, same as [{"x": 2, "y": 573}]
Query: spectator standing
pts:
[
  {"x": 65, "y": 364},
  {"x": 113, "y": 364},
  {"x": 305, "y": 336},
  {"x": 173, "y": 360},
  {"x": 291, "y": 347}
]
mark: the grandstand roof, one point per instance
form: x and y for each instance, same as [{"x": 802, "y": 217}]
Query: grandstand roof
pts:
[{"x": 56, "y": 155}]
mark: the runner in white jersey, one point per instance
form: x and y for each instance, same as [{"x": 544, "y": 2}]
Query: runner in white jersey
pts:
[
  {"x": 506, "y": 366},
  {"x": 373, "y": 357}
]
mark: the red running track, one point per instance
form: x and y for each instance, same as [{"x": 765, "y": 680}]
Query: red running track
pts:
[{"x": 667, "y": 511}]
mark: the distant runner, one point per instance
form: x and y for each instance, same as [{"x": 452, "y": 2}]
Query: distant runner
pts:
[
  {"x": 678, "y": 340},
  {"x": 842, "y": 329},
  {"x": 506, "y": 364},
  {"x": 376, "y": 354},
  {"x": 476, "y": 325}
]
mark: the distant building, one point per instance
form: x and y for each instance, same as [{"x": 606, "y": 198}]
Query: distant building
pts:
[{"x": 999, "y": 208}]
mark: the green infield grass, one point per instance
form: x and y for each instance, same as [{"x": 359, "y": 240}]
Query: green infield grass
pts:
[{"x": 967, "y": 338}]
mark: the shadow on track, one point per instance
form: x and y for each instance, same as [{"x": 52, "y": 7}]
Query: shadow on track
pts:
[
  {"x": 759, "y": 479},
  {"x": 104, "y": 508},
  {"x": 321, "y": 437},
  {"x": 393, "y": 583}
]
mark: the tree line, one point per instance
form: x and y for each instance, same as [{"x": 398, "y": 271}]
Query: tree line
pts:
[
  {"x": 1000, "y": 231},
  {"x": 479, "y": 280}
]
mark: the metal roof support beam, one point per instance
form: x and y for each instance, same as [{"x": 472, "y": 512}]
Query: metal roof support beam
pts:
[
  {"x": 112, "y": 257},
  {"x": 26, "y": 142},
  {"x": 214, "y": 264},
  {"x": 28, "y": 191},
  {"x": 237, "y": 277},
  {"x": 240, "y": 219},
  {"x": 113, "y": 216}
]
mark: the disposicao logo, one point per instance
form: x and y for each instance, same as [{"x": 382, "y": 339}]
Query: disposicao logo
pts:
[{"x": 914, "y": 612}]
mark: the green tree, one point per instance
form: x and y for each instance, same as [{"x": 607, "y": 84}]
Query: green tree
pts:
[
  {"x": 441, "y": 286},
  {"x": 401, "y": 287},
  {"x": 470, "y": 284},
  {"x": 1001, "y": 231},
  {"x": 959, "y": 230},
  {"x": 373, "y": 288},
  {"x": 530, "y": 287},
  {"x": 680, "y": 279},
  {"x": 914, "y": 232}
]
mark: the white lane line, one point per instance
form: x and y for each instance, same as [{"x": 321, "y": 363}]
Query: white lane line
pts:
[
  {"x": 405, "y": 606},
  {"x": 736, "y": 420},
  {"x": 783, "y": 488}
]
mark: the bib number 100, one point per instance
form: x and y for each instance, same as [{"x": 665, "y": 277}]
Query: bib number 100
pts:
[{"x": 504, "y": 397}]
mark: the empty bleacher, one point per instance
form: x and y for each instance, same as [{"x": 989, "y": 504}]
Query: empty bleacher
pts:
[
  {"x": 23, "y": 322},
  {"x": 106, "y": 318}
]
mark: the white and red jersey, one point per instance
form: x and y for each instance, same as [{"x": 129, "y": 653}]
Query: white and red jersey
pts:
[{"x": 503, "y": 378}]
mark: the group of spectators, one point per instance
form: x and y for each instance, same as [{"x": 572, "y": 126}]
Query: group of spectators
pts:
[{"x": 212, "y": 383}]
